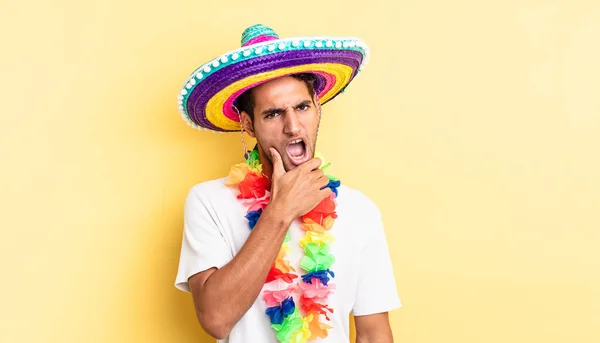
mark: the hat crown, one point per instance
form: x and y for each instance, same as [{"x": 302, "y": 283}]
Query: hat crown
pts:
[{"x": 258, "y": 33}]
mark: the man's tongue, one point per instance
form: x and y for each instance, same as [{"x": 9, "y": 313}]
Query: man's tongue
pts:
[{"x": 296, "y": 150}]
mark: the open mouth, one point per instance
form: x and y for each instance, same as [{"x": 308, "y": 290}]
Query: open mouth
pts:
[{"x": 296, "y": 150}]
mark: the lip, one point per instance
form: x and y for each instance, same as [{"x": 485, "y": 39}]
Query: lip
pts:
[{"x": 298, "y": 161}]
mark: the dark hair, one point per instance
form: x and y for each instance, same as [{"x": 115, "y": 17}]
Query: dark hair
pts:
[{"x": 245, "y": 102}]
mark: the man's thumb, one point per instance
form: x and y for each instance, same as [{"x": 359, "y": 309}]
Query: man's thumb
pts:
[{"x": 278, "y": 168}]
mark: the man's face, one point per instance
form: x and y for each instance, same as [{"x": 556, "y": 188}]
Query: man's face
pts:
[{"x": 285, "y": 118}]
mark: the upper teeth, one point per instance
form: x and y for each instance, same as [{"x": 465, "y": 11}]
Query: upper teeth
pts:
[{"x": 296, "y": 141}]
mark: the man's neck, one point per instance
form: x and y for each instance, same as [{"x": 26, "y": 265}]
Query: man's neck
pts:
[{"x": 267, "y": 166}]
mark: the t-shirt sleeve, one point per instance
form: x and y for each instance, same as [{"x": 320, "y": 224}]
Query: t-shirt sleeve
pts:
[
  {"x": 376, "y": 291},
  {"x": 203, "y": 245}
]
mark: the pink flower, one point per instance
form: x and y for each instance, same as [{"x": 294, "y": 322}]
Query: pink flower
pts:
[
  {"x": 316, "y": 290},
  {"x": 274, "y": 298},
  {"x": 258, "y": 203}
]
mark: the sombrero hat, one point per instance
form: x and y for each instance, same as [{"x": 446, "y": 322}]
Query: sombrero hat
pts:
[{"x": 207, "y": 99}]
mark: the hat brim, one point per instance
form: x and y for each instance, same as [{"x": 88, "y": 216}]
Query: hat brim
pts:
[{"x": 206, "y": 99}]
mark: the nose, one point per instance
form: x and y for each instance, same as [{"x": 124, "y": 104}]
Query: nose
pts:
[{"x": 292, "y": 123}]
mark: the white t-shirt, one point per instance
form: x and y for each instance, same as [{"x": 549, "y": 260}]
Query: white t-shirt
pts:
[{"x": 215, "y": 230}]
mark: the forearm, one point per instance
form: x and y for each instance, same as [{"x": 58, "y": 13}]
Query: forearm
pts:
[
  {"x": 377, "y": 338},
  {"x": 374, "y": 328},
  {"x": 230, "y": 291}
]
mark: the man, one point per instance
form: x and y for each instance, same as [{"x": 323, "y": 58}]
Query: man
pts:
[{"x": 280, "y": 251}]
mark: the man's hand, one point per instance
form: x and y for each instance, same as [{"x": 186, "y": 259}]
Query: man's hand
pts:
[{"x": 297, "y": 192}]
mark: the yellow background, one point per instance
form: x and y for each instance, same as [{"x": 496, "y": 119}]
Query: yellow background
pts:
[{"x": 475, "y": 128}]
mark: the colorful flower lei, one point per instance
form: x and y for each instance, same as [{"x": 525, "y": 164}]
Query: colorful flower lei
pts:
[{"x": 293, "y": 323}]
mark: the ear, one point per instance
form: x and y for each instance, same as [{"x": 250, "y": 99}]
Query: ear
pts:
[{"x": 247, "y": 124}]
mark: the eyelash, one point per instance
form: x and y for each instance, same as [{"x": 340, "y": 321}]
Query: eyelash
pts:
[{"x": 300, "y": 108}]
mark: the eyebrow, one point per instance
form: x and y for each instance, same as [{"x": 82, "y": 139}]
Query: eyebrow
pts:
[{"x": 279, "y": 110}]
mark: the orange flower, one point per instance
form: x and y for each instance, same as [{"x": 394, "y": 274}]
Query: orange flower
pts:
[
  {"x": 237, "y": 174},
  {"x": 281, "y": 262},
  {"x": 323, "y": 210},
  {"x": 310, "y": 225},
  {"x": 317, "y": 329}
]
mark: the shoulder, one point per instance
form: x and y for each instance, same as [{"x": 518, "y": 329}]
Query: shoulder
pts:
[
  {"x": 210, "y": 186},
  {"x": 356, "y": 201},
  {"x": 210, "y": 192}
]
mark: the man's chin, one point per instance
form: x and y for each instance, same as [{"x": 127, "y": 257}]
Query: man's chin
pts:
[{"x": 289, "y": 166}]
